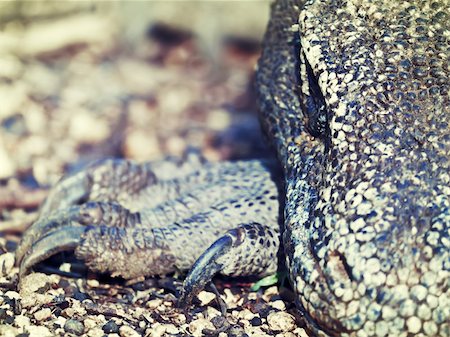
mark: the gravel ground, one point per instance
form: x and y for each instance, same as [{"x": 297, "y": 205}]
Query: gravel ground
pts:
[{"x": 73, "y": 91}]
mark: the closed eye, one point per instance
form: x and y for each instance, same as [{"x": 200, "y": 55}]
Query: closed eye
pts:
[{"x": 313, "y": 102}]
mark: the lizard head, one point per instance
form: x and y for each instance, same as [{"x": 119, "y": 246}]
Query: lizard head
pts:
[{"x": 367, "y": 164}]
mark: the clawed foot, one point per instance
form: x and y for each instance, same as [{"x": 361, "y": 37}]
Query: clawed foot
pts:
[{"x": 130, "y": 220}]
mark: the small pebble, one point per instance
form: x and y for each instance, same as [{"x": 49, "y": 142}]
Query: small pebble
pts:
[
  {"x": 197, "y": 326},
  {"x": 153, "y": 304},
  {"x": 74, "y": 326},
  {"x": 60, "y": 321},
  {"x": 271, "y": 291},
  {"x": 89, "y": 323},
  {"x": 161, "y": 330},
  {"x": 78, "y": 295},
  {"x": 96, "y": 332},
  {"x": 206, "y": 297},
  {"x": 9, "y": 320},
  {"x": 22, "y": 321},
  {"x": 43, "y": 314},
  {"x": 230, "y": 299},
  {"x": 14, "y": 295},
  {"x": 218, "y": 321},
  {"x": 246, "y": 314},
  {"x": 281, "y": 321},
  {"x": 93, "y": 283},
  {"x": 172, "y": 329},
  {"x": 24, "y": 334},
  {"x": 212, "y": 312},
  {"x": 63, "y": 283},
  {"x": 256, "y": 321},
  {"x": 84, "y": 127},
  {"x": 35, "y": 283},
  {"x": 157, "y": 330},
  {"x": 39, "y": 331},
  {"x": 110, "y": 327},
  {"x": 236, "y": 331},
  {"x": 6, "y": 264},
  {"x": 278, "y": 305},
  {"x": 126, "y": 331},
  {"x": 63, "y": 305}
]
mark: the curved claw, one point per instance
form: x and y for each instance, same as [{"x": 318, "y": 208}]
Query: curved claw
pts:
[
  {"x": 41, "y": 227},
  {"x": 250, "y": 249},
  {"x": 54, "y": 242},
  {"x": 204, "y": 269},
  {"x": 86, "y": 214}
]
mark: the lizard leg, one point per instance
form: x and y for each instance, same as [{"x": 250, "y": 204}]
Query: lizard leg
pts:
[
  {"x": 250, "y": 249},
  {"x": 163, "y": 238},
  {"x": 137, "y": 188},
  {"x": 106, "y": 180},
  {"x": 108, "y": 237},
  {"x": 123, "y": 181}
]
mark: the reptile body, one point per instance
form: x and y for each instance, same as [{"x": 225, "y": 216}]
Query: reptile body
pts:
[
  {"x": 367, "y": 199},
  {"x": 354, "y": 98}
]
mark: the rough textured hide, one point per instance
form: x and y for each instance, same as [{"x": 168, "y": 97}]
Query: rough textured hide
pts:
[{"x": 368, "y": 198}]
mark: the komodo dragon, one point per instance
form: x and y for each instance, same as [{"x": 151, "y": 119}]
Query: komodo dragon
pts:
[{"x": 354, "y": 98}]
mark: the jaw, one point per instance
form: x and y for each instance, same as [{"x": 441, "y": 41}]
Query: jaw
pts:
[{"x": 352, "y": 274}]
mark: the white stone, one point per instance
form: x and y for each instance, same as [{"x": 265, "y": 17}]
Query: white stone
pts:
[
  {"x": 280, "y": 305},
  {"x": 21, "y": 321},
  {"x": 206, "y": 297},
  {"x": 281, "y": 321},
  {"x": 7, "y": 167},
  {"x": 43, "y": 314},
  {"x": 6, "y": 263},
  {"x": 39, "y": 331},
  {"x": 126, "y": 331},
  {"x": 196, "y": 326}
]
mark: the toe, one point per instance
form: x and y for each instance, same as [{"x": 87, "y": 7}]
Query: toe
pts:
[
  {"x": 40, "y": 228},
  {"x": 59, "y": 240}
]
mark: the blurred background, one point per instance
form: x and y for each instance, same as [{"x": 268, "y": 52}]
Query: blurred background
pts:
[{"x": 84, "y": 80}]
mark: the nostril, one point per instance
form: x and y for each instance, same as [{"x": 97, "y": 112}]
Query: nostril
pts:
[{"x": 337, "y": 263}]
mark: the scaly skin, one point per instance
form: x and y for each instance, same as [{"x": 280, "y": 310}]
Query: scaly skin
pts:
[
  {"x": 368, "y": 198},
  {"x": 354, "y": 98}
]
